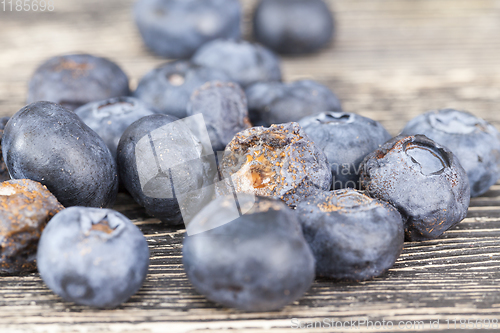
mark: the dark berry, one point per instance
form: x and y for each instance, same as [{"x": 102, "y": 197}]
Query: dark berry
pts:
[
  {"x": 352, "y": 236},
  {"x": 244, "y": 62},
  {"x": 50, "y": 144},
  {"x": 91, "y": 256},
  {"x": 293, "y": 26},
  {"x": 77, "y": 79},
  {"x": 177, "y": 28},
  {"x": 257, "y": 261},
  {"x": 346, "y": 138},
  {"x": 168, "y": 88},
  {"x": 4, "y": 173},
  {"x": 276, "y": 102},
  {"x": 25, "y": 208},
  {"x": 224, "y": 109},
  {"x": 473, "y": 140},
  {"x": 423, "y": 180},
  {"x": 280, "y": 162},
  {"x": 111, "y": 117}
]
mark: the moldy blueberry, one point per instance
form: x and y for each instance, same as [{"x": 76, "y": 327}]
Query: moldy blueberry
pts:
[
  {"x": 50, "y": 144},
  {"x": 346, "y": 138},
  {"x": 352, "y": 236},
  {"x": 177, "y": 28},
  {"x": 473, "y": 140},
  {"x": 94, "y": 257},
  {"x": 77, "y": 79},
  {"x": 260, "y": 261},
  {"x": 293, "y": 26},
  {"x": 423, "y": 180}
]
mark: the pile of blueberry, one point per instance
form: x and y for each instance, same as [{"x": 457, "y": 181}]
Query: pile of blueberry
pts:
[{"x": 316, "y": 192}]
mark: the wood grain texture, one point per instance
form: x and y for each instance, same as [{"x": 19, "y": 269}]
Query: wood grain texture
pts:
[{"x": 391, "y": 60}]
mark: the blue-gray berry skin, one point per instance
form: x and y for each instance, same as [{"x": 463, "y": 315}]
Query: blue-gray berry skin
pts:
[
  {"x": 345, "y": 138},
  {"x": 177, "y": 28},
  {"x": 4, "y": 173},
  {"x": 77, "y": 79},
  {"x": 293, "y": 26},
  {"x": 168, "y": 87},
  {"x": 94, "y": 257},
  {"x": 111, "y": 117},
  {"x": 50, "y": 144},
  {"x": 276, "y": 102},
  {"x": 245, "y": 63},
  {"x": 224, "y": 109},
  {"x": 260, "y": 261},
  {"x": 473, "y": 140},
  {"x": 352, "y": 236},
  {"x": 423, "y": 180}
]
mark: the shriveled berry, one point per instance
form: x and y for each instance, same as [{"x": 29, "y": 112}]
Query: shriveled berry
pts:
[
  {"x": 25, "y": 208},
  {"x": 352, "y": 236},
  {"x": 280, "y": 161}
]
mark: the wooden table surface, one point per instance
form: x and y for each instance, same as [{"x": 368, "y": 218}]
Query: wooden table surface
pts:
[{"x": 391, "y": 60}]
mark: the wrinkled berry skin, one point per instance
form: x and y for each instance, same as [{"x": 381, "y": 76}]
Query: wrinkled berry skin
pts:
[
  {"x": 277, "y": 103},
  {"x": 280, "y": 162},
  {"x": 245, "y": 63},
  {"x": 352, "y": 236},
  {"x": 423, "y": 180},
  {"x": 157, "y": 177},
  {"x": 168, "y": 88},
  {"x": 224, "y": 109},
  {"x": 94, "y": 257},
  {"x": 77, "y": 79},
  {"x": 345, "y": 138},
  {"x": 293, "y": 26},
  {"x": 258, "y": 262},
  {"x": 111, "y": 117},
  {"x": 4, "y": 173},
  {"x": 473, "y": 140},
  {"x": 25, "y": 208},
  {"x": 48, "y": 143},
  {"x": 177, "y": 28}
]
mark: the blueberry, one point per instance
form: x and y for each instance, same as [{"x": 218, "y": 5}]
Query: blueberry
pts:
[
  {"x": 111, "y": 117},
  {"x": 94, "y": 257},
  {"x": 260, "y": 261},
  {"x": 161, "y": 160},
  {"x": 77, "y": 79},
  {"x": 276, "y": 103},
  {"x": 352, "y": 236},
  {"x": 25, "y": 208},
  {"x": 244, "y": 62},
  {"x": 293, "y": 26},
  {"x": 346, "y": 138},
  {"x": 423, "y": 180},
  {"x": 4, "y": 173},
  {"x": 48, "y": 143},
  {"x": 224, "y": 109},
  {"x": 473, "y": 140},
  {"x": 176, "y": 28},
  {"x": 280, "y": 162},
  {"x": 168, "y": 88}
]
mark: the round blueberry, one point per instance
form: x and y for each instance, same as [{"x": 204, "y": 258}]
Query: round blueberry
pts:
[
  {"x": 177, "y": 28},
  {"x": 111, "y": 117},
  {"x": 77, "y": 79},
  {"x": 276, "y": 102},
  {"x": 168, "y": 88},
  {"x": 224, "y": 109},
  {"x": 293, "y": 26},
  {"x": 423, "y": 180},
  {"x": 257, "y": 261},
  {"x": 94, "y": 257},
  {"x": 50, "y": 144},
  {"x": 473, "y": 140},
  {"x": 345, "y": 138},
  {"x": 4, "y": 173},
  {"x": 352, "y": 236},
  {"x": 244, "y": 62}
]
